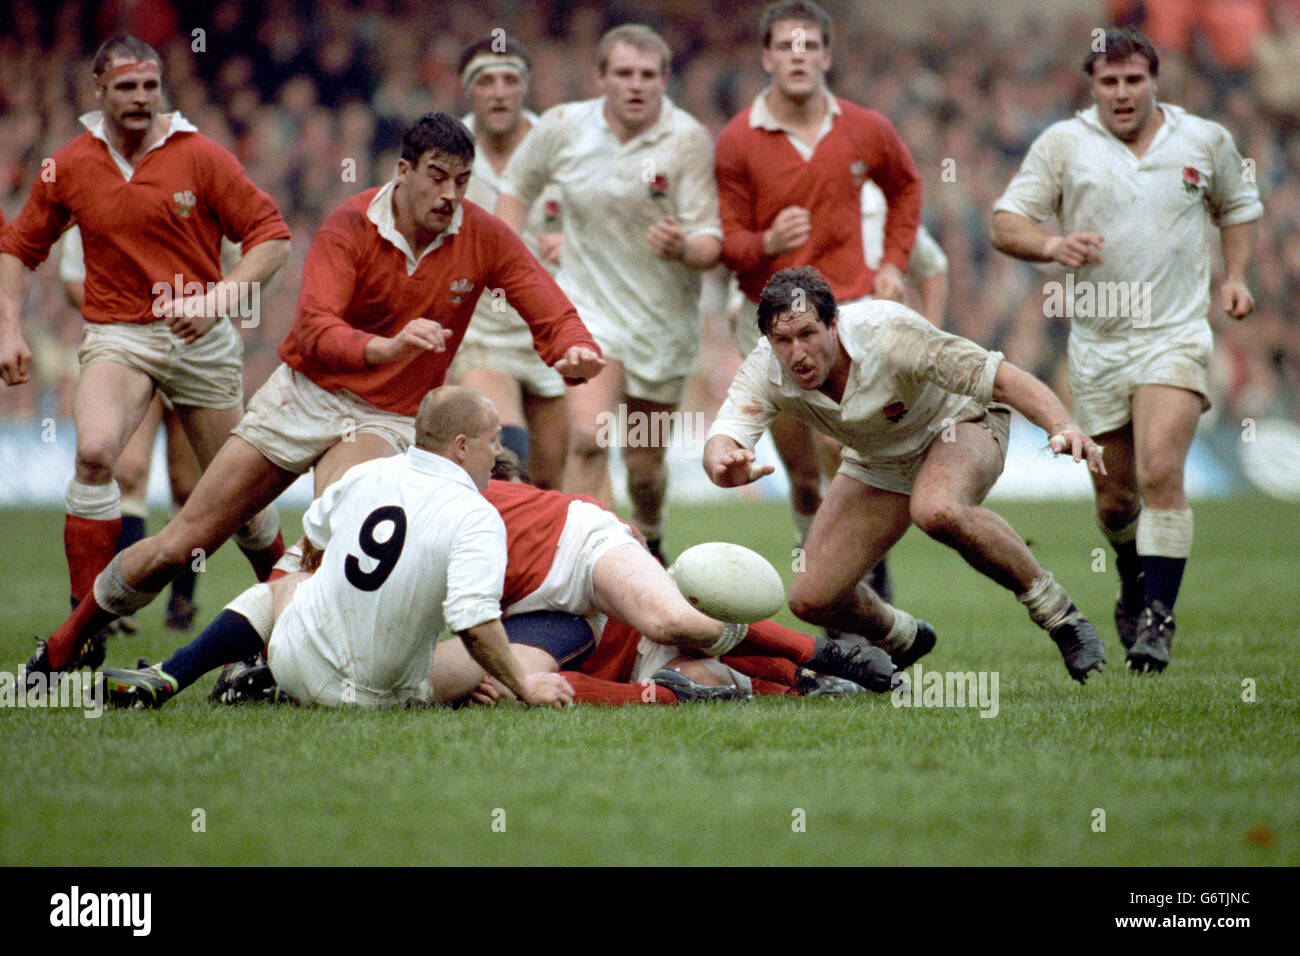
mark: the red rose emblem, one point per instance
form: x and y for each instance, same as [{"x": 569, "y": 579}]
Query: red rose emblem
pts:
[
  {"x": 552, "y": 209},
  {"x": 1192, "y": 175},
  {"x": 659, "y": 187},
  {"x": 894, "y": 411}
]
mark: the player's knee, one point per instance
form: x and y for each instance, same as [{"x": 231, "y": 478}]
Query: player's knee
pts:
[
  {"x": 132, "y": 477},
  {"x": 808, "y": 602},
  {"x": 95, "y": 462},
  {"x": 939, "y": 519},
  {"x": 1161, "y": 474},
  {"x": 586, "y": 446},
  {"x": 1116, "y": 510}
]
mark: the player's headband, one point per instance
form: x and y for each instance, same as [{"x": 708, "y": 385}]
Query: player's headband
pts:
[
  {"x": 135, "y": 66},
  {"x": 491, "y": 61}
]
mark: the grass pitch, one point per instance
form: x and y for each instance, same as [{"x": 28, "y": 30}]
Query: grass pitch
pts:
[{"x": 1177, "y": 769}]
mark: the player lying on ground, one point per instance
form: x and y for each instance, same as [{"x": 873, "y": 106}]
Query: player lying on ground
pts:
[
  {"x": 922, "y": 444},
  {"x": 409, "y": 547},
  {"x": 566, "y": 554},
  {"x": 389, "y": 285}
]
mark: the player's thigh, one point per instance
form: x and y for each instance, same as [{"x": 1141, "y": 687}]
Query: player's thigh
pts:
[
  {"x": 109, "y": 404},
  {"x": 650, "y": 427},
  {"x": 183, "y": 468},
  {"x": 1164, "y": 425},
  {"x": 1117, "y": 489},
  {"x": 364, "y": 446},
  {"x": 456, "y": 673},
  {"x": 591, "y": 404},
  {"x": 501, "y": 389},
  {"x": 854, "y": 528},
  {"x": 238, "y": 484},
  {"x": 207, "y": 429},
  {"x": 548, "y": 430},
  {"x": 960, "y": 472},
  {"x": 132, "y": 468},
  {"x": 631, "y": 586}
]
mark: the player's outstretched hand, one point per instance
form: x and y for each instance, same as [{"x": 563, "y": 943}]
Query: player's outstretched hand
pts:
[
  {"x": 667, "y": 239},
  {"x": 789, "y": 230},
  {"x": 580, "y": 364},
  {"x": 1075, "y": 250},
  {"x": 888, "y": 283},
  {"x": 737, "y": 468},
  {"x": 15, "y": 359},
  {"x": 1237, "y": 300},
  {"x": 1069, "y": 438},
  {"x": 547, "y": 690},
  {"x": 418, "y": 335}
]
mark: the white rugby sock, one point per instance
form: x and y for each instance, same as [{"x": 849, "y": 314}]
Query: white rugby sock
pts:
[
  {"x": 1046, "y": 601},
  {"x": 257, "y": 605},
  {"x": 1165, "y": 533},
  {"x": 93, "y": 502},
  {"x": 291, "y": 560},
  {"x": 114, "y": 595},
  {"x": 901, "y": 633},
  {"x": 260, "y": 532}
]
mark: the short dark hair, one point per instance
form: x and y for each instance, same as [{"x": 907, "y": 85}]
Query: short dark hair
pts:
[
  {"x": 441, "y": 133},
  {"x": 504, "y": 43},
  {"x": 123, "y": 46},
  {"x": 783, "y": 291},
  {"x": 1118, "y": 45},
  {"x": 802, "y": 10},
  {"x": 508, "y": 467}
]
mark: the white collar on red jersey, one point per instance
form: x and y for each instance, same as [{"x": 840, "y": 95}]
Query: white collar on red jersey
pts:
[
  {"x": 380, "y": 212},
  {"x": 94, "y": 121}
]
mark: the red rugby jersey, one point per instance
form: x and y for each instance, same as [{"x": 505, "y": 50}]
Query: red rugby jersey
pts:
[
  {"x": 355, "y": 286},
  {"x": 166, "y": 220},
  {"x": 760, "y": 173}
]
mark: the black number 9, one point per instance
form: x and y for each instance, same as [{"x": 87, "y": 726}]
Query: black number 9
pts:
[{"x": 385, "y": 552}]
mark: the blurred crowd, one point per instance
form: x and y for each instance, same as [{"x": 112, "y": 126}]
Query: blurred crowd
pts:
[{"x": 312, "y": 98}]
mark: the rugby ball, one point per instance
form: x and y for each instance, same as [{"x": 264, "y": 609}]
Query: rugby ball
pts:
[{"x": 728, "y": 582}]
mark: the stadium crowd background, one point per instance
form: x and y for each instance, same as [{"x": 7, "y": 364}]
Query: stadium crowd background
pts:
[{"x": 306, "y": 93}]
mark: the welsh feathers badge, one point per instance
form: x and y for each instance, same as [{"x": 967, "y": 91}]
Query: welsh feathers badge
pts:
[{"x": 459, "y": 289}]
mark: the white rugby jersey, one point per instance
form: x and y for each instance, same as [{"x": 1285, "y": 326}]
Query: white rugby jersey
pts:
[
  {"x": 927, "y": 257},
  {"x": 495, "y": 322},
  {"x": 1154, "y": 213},
  {"x": 643, "y": 309},
  {"x": 411, "y": 547},
  {"x": 908, "y": 381}
]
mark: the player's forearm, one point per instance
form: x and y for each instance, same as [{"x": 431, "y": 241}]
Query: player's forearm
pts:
[
  {"x": 1238, "y": 249},
  {"x": 701, "y": 252},
  {"x": 261, "y": 262},
  {"x": 488, "y": 645},
  {"x": 1029, "y": 397},
  {"x": 512, "y": 210},
  {"x": 13, "y": 292},
  {"x": 1017, "y": 236}
]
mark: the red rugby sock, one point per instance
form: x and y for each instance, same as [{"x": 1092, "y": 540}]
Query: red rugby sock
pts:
[
  {"x": 66, "y": 642},
  {"x": 89, "y": 545},
  {"x": 593, "y": 690},
  {"x": 768, "y": 637},
  {"x": 775, "y": 669},
  {"x": 263, "y": 561}
]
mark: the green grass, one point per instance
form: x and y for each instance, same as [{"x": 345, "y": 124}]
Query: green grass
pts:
[{"x": 1185, "y": 770}]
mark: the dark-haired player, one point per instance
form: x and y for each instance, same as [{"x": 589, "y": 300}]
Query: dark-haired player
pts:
[
  {"x": 153, "y": 198},
  {"x": 922, "y": 443},
  {"x": 389, "y": 285},
  {"x": 1136, "y": 186}
]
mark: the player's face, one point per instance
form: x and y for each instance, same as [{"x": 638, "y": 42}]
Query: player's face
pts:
[
  {"x": 797, "y": 58},
  {"x": 433, "y": 189},
  {"x": 497, "y": 98},
  {"x": 805, "y": 347},
  {"x": 1125, "y": 94},
  {"x": 633, "y": 83},
  {"x": 481, "y": 451},
  {"x": 130, "y": 101}
]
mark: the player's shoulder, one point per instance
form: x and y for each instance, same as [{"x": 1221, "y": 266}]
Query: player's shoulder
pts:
[
  {"x": 353, "y": 214},
  {"x": 1197, "y": 127},
  {"x": 862, "y": 115},
  {"x": 737, "y": 127},
  {"x": 569, "y": 115}
]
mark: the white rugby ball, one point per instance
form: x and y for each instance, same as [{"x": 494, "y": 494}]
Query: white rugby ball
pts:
[{"x": 728, "y": 582}]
